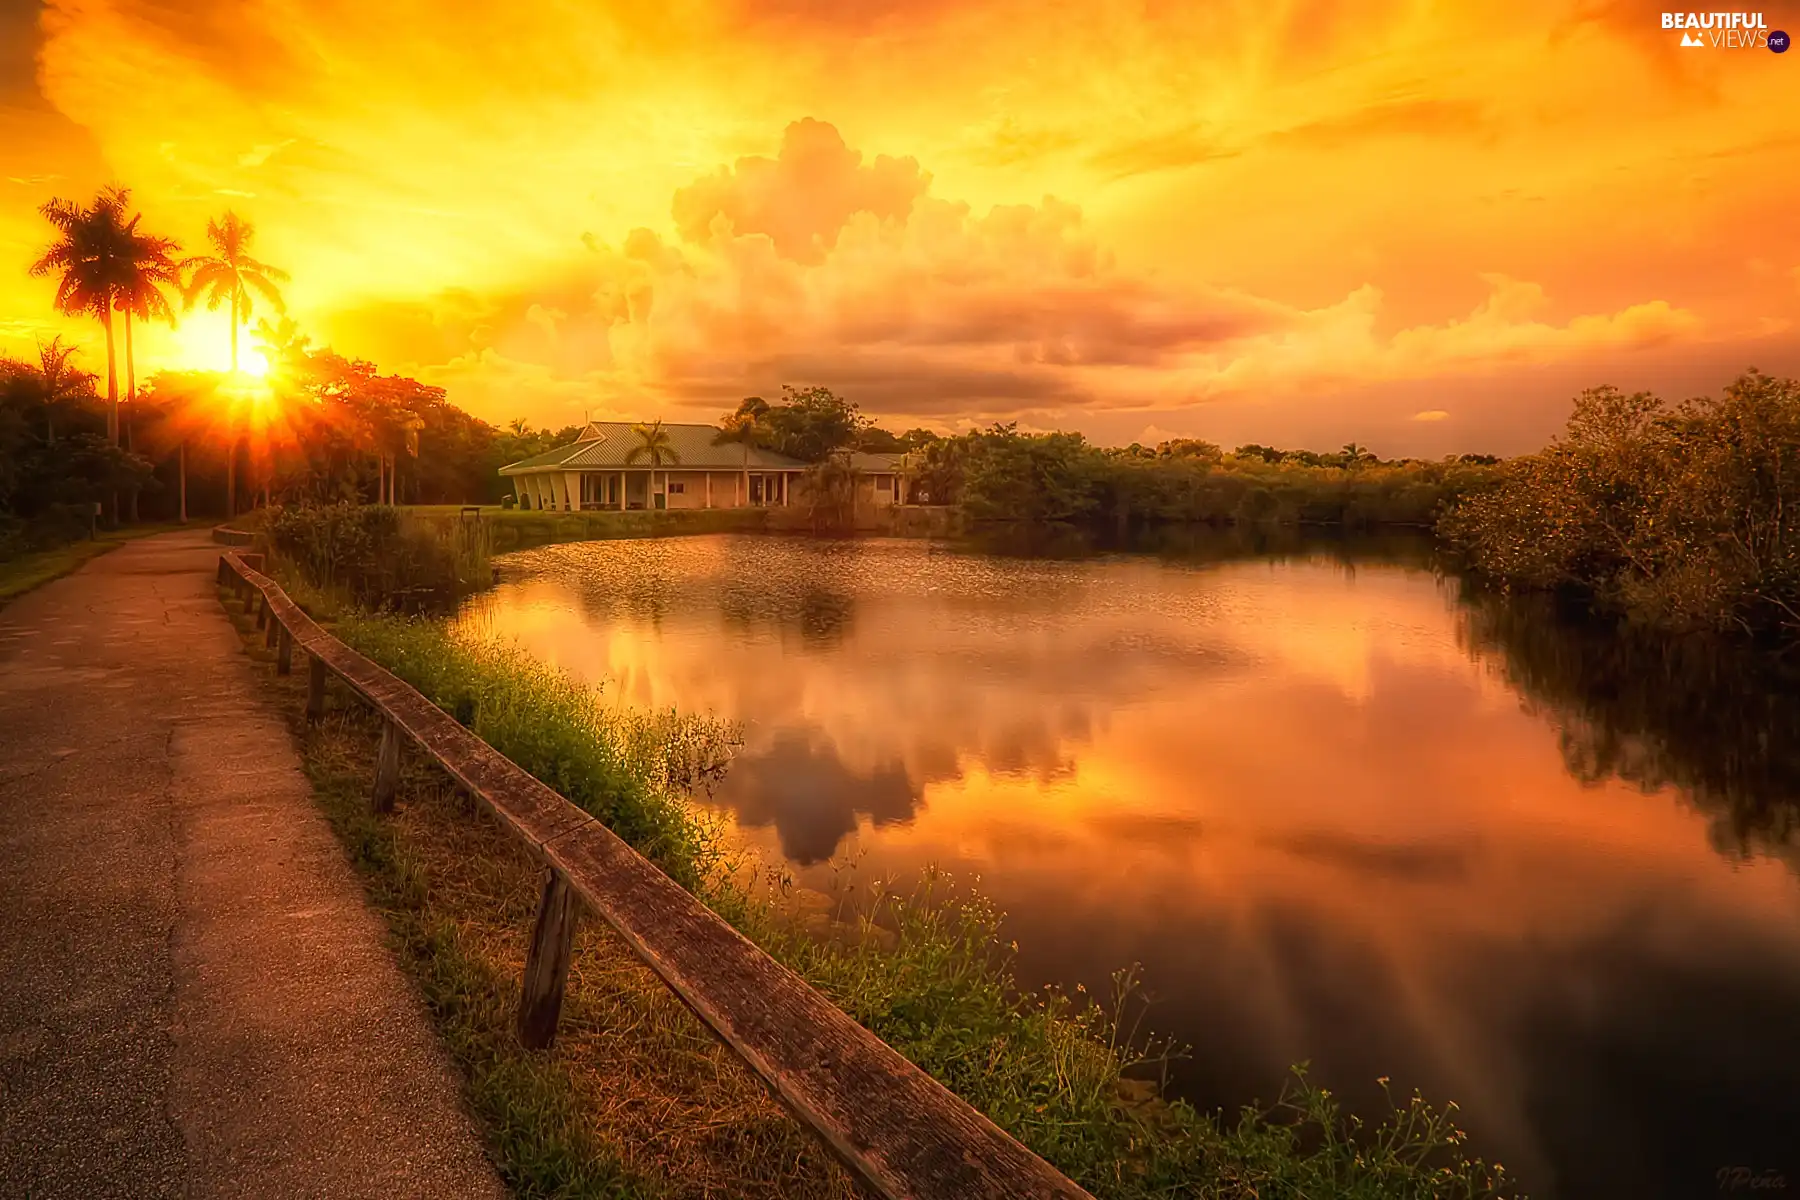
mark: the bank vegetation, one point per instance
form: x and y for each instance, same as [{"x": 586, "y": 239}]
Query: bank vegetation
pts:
[{"x": 1675, "y": 517}]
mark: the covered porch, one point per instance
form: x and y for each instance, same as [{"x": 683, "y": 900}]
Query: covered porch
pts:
[{"x": 670, "y": 487}]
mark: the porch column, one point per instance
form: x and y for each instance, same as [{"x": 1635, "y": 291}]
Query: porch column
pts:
[
  {"x": 572, "y": 489},
  {"x": 709, "y": 489},
  {"x": 784, "y": 485}
]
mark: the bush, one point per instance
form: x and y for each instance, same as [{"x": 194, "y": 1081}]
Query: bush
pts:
[
  {"x": 53, "y": 525},
  {"x": 377, "y": 557},
  {"x": 1678, "y": 518}
]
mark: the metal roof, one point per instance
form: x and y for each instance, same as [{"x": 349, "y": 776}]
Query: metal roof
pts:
[
  {"x": 607, "y": 444},
  {"x": 875, "y": 464}
]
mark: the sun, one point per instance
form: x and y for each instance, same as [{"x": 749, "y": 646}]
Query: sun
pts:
[{"x": 253, "y": 363}]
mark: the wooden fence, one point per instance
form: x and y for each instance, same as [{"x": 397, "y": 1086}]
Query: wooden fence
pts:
[{"x": 899, "y": 1130}]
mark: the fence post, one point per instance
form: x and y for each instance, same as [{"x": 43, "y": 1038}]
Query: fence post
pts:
[
  {"x": 547, "y": 963},
  {"x": 387, "y": 768},
  {"x": 262, "y": 610},
  {"x": 284, "y": 650},
  {"x": 315, "y": 687}
]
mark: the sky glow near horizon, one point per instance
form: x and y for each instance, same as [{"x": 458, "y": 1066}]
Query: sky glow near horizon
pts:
[{"x": 1422, "y": 227}]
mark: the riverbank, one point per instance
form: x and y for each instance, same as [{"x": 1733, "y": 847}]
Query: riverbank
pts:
[{"x": 926, "y": 974}]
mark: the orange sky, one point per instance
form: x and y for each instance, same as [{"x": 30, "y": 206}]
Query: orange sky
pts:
[{"x": 1420, "y": 226}]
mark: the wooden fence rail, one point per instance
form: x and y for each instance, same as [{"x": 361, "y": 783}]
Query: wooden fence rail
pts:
[{"x": 898, "y": 1129}]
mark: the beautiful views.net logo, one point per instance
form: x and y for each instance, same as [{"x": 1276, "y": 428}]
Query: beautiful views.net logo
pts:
[{"x": 1725, "y": 30}]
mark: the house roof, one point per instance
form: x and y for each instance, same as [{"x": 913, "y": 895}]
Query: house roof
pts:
[
  {"x": 875, "y": 464},
  {"x": 607, "y": 444}
]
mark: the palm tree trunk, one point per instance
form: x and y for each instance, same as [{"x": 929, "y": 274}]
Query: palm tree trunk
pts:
[
  {"x": 131, "y": 497},
  {"x": 112, "y": 395},
  {"x": 112, "y": 379},
  {"x": 234, "y": 325},
  {"x": 181, "y": 469}
]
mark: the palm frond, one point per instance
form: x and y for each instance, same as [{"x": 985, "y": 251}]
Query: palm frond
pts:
[{"x": 262, "y": 283}]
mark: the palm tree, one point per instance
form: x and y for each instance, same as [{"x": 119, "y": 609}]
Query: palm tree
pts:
[
  {"x": 229, "y": 276},
  {"x": 149, "y": 267},
  {"x": 282, "y": 343},
  {"x": 92, "y": 252},
  {"x": 655, "y": 444},
  {"x": 62, "y": 382},
  {"x": 744, "y": 425}
]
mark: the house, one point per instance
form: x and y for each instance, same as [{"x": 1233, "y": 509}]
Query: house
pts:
[
  {"x": 880, "y": 483},
  {"x": 599, "y": 469}
]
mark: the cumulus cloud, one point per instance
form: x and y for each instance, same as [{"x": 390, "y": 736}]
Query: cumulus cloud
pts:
[{"x": 802, "y": 198}]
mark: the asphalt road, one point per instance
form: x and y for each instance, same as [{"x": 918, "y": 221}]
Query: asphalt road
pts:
[{"x": 194, "y": 1000}]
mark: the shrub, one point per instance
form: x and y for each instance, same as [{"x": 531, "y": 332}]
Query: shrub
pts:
[
  {"x": 379, "y": 558},
  {"x": 1678, "y": 518}
]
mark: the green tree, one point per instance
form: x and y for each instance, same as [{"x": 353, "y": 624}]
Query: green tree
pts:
[
  {"x": 1041, "y": 477},
  {"x": 813, "y": 423}
]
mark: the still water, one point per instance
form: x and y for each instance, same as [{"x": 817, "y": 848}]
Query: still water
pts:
[{"x": 1337, "y": 810}]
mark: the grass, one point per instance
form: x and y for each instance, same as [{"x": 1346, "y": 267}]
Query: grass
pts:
[
  {"x": 27, "y": 571},
  {"x": 639, "y": 1096}
]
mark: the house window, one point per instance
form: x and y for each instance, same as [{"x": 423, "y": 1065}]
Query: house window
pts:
[
  {"x": 678, "y": 489},
  {"x": 884, "y": 483}
]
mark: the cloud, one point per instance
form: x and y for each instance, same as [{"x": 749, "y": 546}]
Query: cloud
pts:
[
  {"x": 802, "y": 198},
  {"x": 819, "y": 267},
  {"x": 1431, "y": 414}
]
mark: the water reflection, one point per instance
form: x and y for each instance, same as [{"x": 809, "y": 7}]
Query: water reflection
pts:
[
  {"x": 1338, "y": 810},
  {"x": 1718, "y": 722}
]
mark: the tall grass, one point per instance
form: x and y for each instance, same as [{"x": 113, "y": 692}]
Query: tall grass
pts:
[
  {"x": 927, "y": 969},
  {"x": 627, "y": 767},
  {"x": 375, "y": 556}
]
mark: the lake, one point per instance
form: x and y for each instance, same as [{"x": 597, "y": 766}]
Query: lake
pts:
[{"x": 1340, "y": 812}]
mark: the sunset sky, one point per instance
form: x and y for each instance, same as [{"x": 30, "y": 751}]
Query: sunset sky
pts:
[{"x": 1422, "y": 226}]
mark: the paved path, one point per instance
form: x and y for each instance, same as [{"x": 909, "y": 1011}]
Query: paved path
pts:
[{"x": 194, "y": 1000}]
